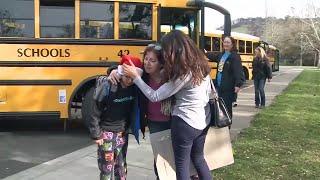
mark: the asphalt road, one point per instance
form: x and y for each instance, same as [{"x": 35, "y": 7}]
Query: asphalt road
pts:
[{"x": 25, "y": 143}]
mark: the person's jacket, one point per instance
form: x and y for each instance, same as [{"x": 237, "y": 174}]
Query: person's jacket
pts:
[
  {"x": 100, "y": 106},
  {"x": 143, "y": 103},
  {"x": 261, "y": 68},
  {"x": 232, "y": 74}
]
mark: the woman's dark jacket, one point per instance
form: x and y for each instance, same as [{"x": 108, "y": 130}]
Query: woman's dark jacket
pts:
[
  {"x": 143, "y": 103},
  {"x": 232, "y": 74},
  {"x": 261, "y": 68}
]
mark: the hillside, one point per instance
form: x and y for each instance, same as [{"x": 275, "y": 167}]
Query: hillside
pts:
[
  {"x": 283, "y": 33},
  {"x": 253, "y": 26}
]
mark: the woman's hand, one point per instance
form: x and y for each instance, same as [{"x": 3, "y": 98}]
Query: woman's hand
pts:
[
  {"x": 99, "y": 142},
  {"x": 130, "y": 71},
  {"x": 113, "y": 77},
  {"x": 269, "y": 80}
]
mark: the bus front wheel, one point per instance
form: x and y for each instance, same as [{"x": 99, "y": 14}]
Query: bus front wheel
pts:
[
  {"x": 87, "y": 104},
  {"x": 246, "y": 73}
]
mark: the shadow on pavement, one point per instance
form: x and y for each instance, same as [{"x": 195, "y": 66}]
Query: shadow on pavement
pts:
[{"x": 25, "y": 143}]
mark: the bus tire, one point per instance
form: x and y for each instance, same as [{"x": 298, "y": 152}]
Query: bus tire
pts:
[
  {"x": 246, "y": 73},
  {"x": 87, "y": 104}
]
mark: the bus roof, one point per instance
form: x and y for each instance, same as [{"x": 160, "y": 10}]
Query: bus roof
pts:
[
  {"x": 219, "y": 33},
  {"x": 236, "y": 35},
  {"x": 272, "y": 47},
  {"x": 173, "y": 3},
  {"x": 245, "y": 36}
]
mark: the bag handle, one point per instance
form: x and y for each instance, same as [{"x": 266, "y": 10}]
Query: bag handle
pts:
[{"x": 213, "y": 90}]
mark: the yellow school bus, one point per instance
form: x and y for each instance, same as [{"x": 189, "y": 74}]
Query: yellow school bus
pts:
[
  {"x": 273, "y": 54},
  {"x": 51, "y": 51}
]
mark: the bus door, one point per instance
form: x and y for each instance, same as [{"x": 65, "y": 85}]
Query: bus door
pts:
[
  {"x": 183, "y": 19},
  {"x": 202, "y": 5}
]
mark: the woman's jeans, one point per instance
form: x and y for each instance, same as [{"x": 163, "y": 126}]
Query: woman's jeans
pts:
[
  {"x": 260, "y": 98},
  {"x": 187, "y": 143}
]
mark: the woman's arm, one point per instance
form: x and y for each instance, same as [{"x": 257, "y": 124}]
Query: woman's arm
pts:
[
  {"x": 213, "y": 56},
  {"x": 166, "y": 90},
  {"x": 237, "y": 70},
  {"x": 268, "y": 69}
]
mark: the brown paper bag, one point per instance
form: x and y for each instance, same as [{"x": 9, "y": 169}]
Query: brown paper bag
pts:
[{"x": 217, "y": 149}]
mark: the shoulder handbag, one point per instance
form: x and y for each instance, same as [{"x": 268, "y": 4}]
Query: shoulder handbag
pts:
[{"x": 219, "y": 114}]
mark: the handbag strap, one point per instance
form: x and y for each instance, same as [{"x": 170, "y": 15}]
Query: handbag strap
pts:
[{"x": 213, "y": 90}]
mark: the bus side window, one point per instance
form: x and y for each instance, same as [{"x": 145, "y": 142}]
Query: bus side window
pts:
[
  {"x": 207, "y": 45},
  {"x": 135, "y": 21},
  {"x": 242, "y": 45},
  {"x": 96, "y": 19},
  {"x": 57, "y": 19},
  {"x": 216, "y": 44},
  {"x": 249, "y": 47},
  {"x": 16, "y": 18}
]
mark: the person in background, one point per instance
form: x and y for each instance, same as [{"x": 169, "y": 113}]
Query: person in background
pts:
[
  {"x": 230, "y": 76},
  {"x": 261, "y": 72}
]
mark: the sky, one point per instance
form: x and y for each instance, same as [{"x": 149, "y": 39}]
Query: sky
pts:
[{"x": 256, "y": 8}]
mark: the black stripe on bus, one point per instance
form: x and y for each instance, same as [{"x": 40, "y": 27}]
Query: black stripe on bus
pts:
[
  {"x": 34, "y": 82},
  {"x": 246, "y": 61},
  {"x": 56, "y": 64},
  {"x": 76, "y": 41},
  {"x": 30, "y": 114},
  {"x": 246, "y": 54}
]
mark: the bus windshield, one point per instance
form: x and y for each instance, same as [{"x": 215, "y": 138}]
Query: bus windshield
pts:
[{"x": 180, "y": 19}]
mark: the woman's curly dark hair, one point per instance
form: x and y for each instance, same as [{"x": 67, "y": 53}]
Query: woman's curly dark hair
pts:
[{"x": 182, "y": 56}]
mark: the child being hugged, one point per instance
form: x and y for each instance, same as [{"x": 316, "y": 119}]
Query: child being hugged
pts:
[{"x": 114, "y": 112}]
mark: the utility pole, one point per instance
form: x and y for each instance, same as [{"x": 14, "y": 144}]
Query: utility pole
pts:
[
  {"x": 301, "y": 36},
  {"x": 266, "y": 8},
  {"x": 315, "y": 59},
  {"x": 266, "y": 19},
  {"x": 301, "y": 48}
]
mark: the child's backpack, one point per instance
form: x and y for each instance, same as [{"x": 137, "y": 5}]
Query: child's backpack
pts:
[{"x": 102, "y": 90}]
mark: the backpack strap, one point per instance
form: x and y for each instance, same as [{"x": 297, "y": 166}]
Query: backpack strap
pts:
[{"x": 102, "y": 90}]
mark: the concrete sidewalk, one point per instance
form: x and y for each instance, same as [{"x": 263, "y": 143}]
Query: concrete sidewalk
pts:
[{"x": 82, "y": 164}]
